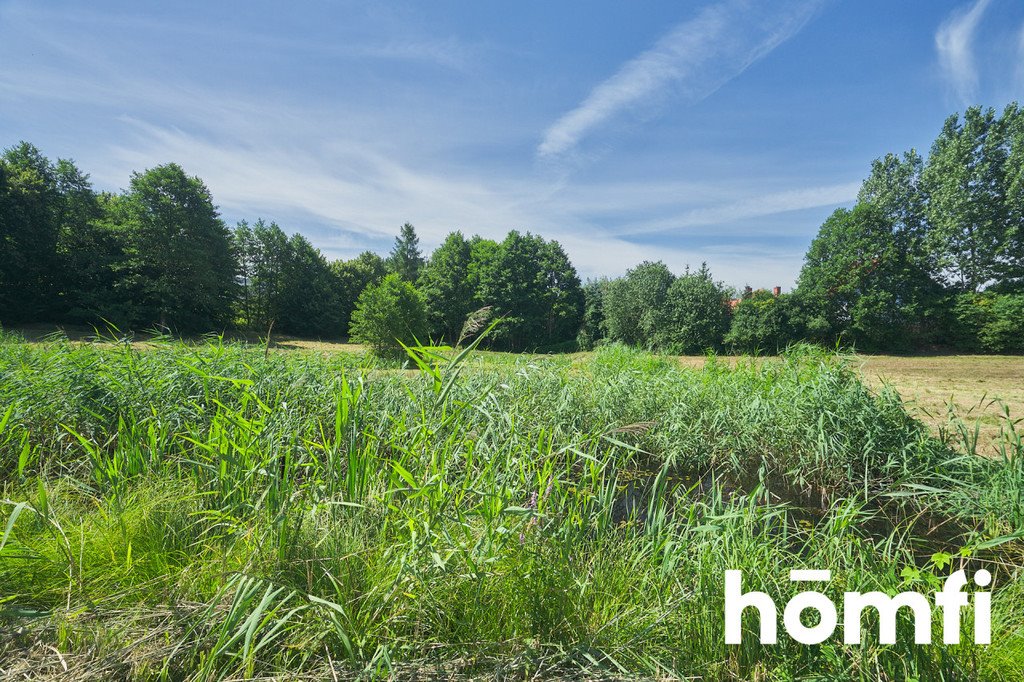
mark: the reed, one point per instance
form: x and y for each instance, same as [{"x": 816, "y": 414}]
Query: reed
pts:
[{"x": 213, "y": 511}]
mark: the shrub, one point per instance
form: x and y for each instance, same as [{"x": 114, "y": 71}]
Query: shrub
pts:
[
  {"x": 696, "y": 315},
  {"x": 387, "y": 315},
  {"x": 761, "y": 323},
  {"x": 993, "y": 323}
]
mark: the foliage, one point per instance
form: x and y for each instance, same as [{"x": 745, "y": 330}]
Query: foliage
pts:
[
  {"x": 45, "y": 211},
  {"x": 886, "y": 275},
  {"x": 405, "y": 259},
  {"x": 859, "y": 282},
  {"x": 761, "y": 323},
  {"x": 352, "y": 277},
  {"x": 389, "y": 314},
  {"x": 696, "y": 315},
  {"x": 531, "y": 286},
  {"x": 989, "y": 322},
  {"x": 594, "y": 328},
  {"x": 219, "y": 513},
  {"x": 634, "y": 306},
  {"x": 263, "y": 256},
  {"x": 446, "y": 286},
  {"x": 966, "y": 183},
  {"x": 178, "y": 270},
  {"x": 311, "y": 305}
]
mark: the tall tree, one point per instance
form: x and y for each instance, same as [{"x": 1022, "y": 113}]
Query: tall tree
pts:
[
  {"x": 180, "y": 265},
  {"x": 446, "y": 287},
  {"x": 405, "y": 259},
  {"x": 511, "y": 281},
  {"x": 1011, "y": 276},
  {"x": 352, "y": 277},
  {"x": 88, "y": 250},
  {"x": 309, "y": 298},
  {"x": 264, "y": 255},
  {"x": 593, "y": 327},
  {"x": 965, "y": 181},
  {"x": 858, "y": 284},
  {"x": 634, "y": 305},
  {"x": 29, "y": 232},
  {"x": 531, "y": 285},
  {"x": 696, "y": 316},
  {"x": 895, "y": 187},
  {"x": 563, "y": 299}
]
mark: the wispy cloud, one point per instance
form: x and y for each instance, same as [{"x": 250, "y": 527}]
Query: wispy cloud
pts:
[
  {"x": 751, "y": 207},
  {"x": 954, "y": 42},
  {"x": 347, "y": 172},
  {"x": 695, "y": 58},
  {"x": 402, "y": 45}
]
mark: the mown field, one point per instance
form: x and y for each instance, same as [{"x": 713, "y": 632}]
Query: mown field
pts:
[{"x": 218, "y": 511}]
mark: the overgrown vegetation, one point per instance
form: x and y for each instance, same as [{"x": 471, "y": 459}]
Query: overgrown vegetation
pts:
[{"x": 215, "y": 512}]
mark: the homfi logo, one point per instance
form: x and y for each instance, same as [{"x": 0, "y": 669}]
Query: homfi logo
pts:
[{"x": 951, "y": 599}]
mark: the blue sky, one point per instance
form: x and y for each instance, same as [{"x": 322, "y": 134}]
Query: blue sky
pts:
[{"x": 721, "y": 131}]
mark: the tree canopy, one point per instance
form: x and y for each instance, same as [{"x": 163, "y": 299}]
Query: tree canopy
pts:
[{"x": 932, "y": 253}]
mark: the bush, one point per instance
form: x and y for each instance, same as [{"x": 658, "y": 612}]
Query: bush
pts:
[
  {"x": 761, "y": 323},
  {"x": 387, "y": 315},
  {"x": 696, "y": 315},
  {"x": 993, "y": 323}
]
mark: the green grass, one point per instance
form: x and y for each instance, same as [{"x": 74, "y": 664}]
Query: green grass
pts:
[{"x": 215, "y": 512}]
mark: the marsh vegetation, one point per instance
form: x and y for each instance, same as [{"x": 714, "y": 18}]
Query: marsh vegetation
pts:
[{"x": 216, "y": 511}]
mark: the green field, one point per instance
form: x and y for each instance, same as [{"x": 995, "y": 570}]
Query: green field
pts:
[{"x": 221, "y": 511}]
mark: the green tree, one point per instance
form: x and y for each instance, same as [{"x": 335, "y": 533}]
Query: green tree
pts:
[
  {"x": 309, "y": 297},
  {"x": 634, "y": 305},
  {"x": 446, "y": 287},
  {"x": 966, "y": 183},
  {"x": 388, "y": 314},
  {"x": 696, "y": 314},
  {"x": 896, "y": 188},
  {"x": 405, "y": 259},
  {"x": 990, "y": 322},
  {"x": 179, "y": 266},
  {"x": 264, "y": 256},
  {"x": 531, "y": 286},
  {"x": 93, "y": 252},
  {"x": 482, "y": 256},
  {"x": 1011, "y": 262},
  {"x": 87, "y": 248},
  {"x": 593, "y": 328},
  {"x": 761, "y": 323},
  {"x": 352, "y": 277},
  {"x": 29, "y": 233},
  {"x": 563, "y": 297},
  {"x": 859, "y": 285}
]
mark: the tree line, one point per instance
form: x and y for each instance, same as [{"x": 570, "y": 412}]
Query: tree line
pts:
[
  {"x": 158, "y": 255},
  {"x": 932, "y": 254}
]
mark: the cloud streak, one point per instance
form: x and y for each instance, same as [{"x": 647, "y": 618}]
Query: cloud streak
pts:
[
  {"x": 752, "y": 207},
  {"x": 347, "y": 172},
  {"x": 695, "y": 58},
  {"x": 954, "y": 42}
]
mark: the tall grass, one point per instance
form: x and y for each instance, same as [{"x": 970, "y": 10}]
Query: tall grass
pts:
[{"x": 215, "y": 512}]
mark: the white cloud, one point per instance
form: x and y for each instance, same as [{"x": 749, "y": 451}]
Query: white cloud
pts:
[
  {"x": 752, "y": 207},
  {"x": 696, "y": 58},
  {"x": 364, "y": 196},
  {"x": 347, "y": 173},
  {"x": 954, "y": 42}
]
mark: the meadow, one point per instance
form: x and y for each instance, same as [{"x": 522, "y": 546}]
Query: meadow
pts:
[{"x": 216, "y": 511}]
